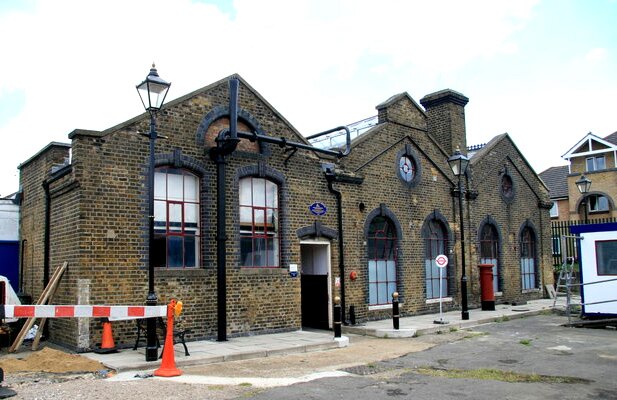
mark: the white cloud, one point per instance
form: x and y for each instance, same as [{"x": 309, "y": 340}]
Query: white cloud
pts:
[{"x": 320, "y": 63}]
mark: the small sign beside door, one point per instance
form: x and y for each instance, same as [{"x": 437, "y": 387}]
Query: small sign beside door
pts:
[{"x": 293, "y": 270}]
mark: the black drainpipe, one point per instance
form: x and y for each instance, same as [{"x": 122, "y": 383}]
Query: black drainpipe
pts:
[
  {"x": 21, "y": 266},
  {"x": 330, "y": 176},
  {"x": 47, "y": 234},
  {"x": 226, "y": 143}
]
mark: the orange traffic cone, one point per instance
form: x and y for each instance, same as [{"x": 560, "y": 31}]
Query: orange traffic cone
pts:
[
  {"x": 168, "y": 363},
  {"x": 107, "y": 341}
]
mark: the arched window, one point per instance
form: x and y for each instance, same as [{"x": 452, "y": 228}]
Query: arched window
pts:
[
  {"x": 489, "y": 251},
  {"x": 176, "y": 218},
  {"x": 529, "y": 279},
  {"x": 381, "y": 242},
  {"x": 259, "y": 223},
  {"x": 435, "y": 243}
]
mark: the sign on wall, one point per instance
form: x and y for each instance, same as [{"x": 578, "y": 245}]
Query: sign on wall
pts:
[{"x": 318, "y": 208}]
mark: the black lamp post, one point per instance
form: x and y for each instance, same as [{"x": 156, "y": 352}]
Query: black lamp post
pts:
[
  {"x": 458, "y": 163},
  {"x": 583, "y": 185},
  {"x": 152, "y": 92}
]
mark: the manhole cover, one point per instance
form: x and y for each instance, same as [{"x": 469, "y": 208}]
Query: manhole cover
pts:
[{"x": 368, "y": 369}]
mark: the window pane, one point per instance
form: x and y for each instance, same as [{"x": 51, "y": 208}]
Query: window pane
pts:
[
  {"x": 174, "y": 182},
  {"x": 259, "y": 192},
  {"x": 271, "y": 194},
  {"x": 160, "y": 215},
  {"x": 191, "y": 188},
  {"x": 246, "y": 251},
  {"x": 191, "y": 220},
  {"x": 381, "y": 271},
  {"x": 246, "y": 217},
  {"x": 272, "y": 252},
  {"x": 372, "y": 271},
  {"x": 372, "y": 293},
  {"x": 271, "y": 221},
  {"x": 600, "y": 163},
  {"x": 191, "y": 246},
  {"x": 245, "y": 192},
  {"x": 602, "y": 203},
  {"x": 590, "y": 164},
  {"x": 175, "y": 217},
  {"x": 174, "y": 251},
  {"x": 391, "y": 274},
  {"x": 160, "y": 185},
  {"x": 260, "y": 252},
  {"x": 259, "y": 220},
  {"x": 382, "y": 293},
  {"x": 606, "y": 257},
  {"x": 160, "y": 250}
]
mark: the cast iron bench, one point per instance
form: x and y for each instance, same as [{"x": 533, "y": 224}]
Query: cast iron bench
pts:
[{"x": 179, "y": 334}]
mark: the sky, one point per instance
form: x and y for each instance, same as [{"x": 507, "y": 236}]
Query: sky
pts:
[{"x": 544, "y": 71}]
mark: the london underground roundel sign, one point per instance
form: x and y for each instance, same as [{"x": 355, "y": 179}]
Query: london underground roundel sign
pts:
[{"x": 441, "y": 261}]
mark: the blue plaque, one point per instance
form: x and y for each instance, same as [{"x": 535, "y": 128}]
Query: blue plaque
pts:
[{"x": 318, "y": 208}]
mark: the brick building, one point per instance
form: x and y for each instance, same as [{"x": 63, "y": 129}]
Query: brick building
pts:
[{"x": 88, "y": 202}]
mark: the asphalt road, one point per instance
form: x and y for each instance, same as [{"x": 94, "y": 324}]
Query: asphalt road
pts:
[{"x": 531, "y": 348}]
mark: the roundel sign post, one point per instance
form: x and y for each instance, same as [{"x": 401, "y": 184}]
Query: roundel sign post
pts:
[{"x": 441, "y": 261}]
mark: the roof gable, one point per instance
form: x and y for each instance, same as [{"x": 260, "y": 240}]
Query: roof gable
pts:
[
  {"x": 556, "y": 178},
  {"x": 589, "y": 145}
]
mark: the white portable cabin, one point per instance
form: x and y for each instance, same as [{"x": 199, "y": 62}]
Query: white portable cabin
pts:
[{"x": 597, "y": 251}]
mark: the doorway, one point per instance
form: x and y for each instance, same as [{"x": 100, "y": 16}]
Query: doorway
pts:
[{"x": 316, "y": 296}]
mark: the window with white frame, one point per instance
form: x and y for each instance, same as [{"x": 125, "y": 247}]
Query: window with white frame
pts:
[
  {"x": 596, "y": 163},
  {"x": 382, "y": 244},
  {"x": 176, "y": 218},
  {"x": 554, "y": 210},
  {"x": 597, "y": 203},
  {"x": 259, "y": 223}
]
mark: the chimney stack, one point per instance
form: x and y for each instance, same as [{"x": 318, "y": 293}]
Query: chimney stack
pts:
[{"x": 445, "y": 112}]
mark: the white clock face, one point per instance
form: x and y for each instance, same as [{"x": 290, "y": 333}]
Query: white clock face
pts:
[{"x": 407, "y": 169}]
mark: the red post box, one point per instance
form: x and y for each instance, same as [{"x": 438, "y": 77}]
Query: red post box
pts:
[{"x": 486, "y": 287}]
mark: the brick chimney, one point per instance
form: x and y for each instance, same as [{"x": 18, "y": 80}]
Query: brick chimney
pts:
[{"x": 445, "y": 111}]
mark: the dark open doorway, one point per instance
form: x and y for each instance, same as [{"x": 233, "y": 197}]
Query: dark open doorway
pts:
[{"x": 315, "y": 285}]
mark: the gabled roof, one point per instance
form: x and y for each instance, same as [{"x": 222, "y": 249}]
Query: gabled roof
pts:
[
  {"x": 398, "y": 97},
  {"x": 556, "y": 178},
  {"x": 585, "y": 146}
]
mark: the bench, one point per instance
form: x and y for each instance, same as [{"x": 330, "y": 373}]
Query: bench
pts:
[{"x": 179, "y": 334}]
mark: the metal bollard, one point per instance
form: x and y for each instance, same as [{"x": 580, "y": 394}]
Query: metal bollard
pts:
[
  {"x": 337, "y": 317},
  {"x": 352, "y": 314},
  {"x": 395, "y": 310}
]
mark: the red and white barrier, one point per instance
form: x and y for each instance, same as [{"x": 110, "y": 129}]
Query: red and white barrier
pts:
[{"x": 71, "y": 311}]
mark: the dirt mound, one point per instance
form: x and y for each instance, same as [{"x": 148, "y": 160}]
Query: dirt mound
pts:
[{"x": 50, "y": 360}]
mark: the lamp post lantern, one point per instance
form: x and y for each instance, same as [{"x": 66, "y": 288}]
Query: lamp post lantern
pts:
[
  {"x": 583, "y": 185},
  {"x": 458, "y": 163},
  {"x": 152, "y": 92}
]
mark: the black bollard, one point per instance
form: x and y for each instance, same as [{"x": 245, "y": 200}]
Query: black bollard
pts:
[
  {"x": 337, "y": 317},
  {"x": 395, "y": 310},
  {"x": 352, "y": 314}
]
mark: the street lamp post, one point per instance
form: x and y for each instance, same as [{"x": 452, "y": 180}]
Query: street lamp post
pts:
[
  {"x": 583, "y": 185},
  {"x": 152, "y": 92},
  {"x": 458, "y": 163}
]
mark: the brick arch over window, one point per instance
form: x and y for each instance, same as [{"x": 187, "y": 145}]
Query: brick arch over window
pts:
[
  {"x": 384, "y": 211},
  {"x": 611, "y": 203},
  {"x": 490, "y": 252},
  {"x": 261, "y": 170},
  {"x": 220, "y": 112},
  {"x": 429, "y": 270},
  {"x": 317, "y": 230},
  {"x": 528, "y": 246}
]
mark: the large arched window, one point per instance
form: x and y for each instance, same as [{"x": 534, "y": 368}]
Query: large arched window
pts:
[
  {"x": 381, "y": 240},
  {"x": 529, "y": 279},
  {"x": 489, "y": 251},
  {"x": 176, "y": 218},
  {"x": 435, "y": 243},
  {"x": 259, "y": 223}
]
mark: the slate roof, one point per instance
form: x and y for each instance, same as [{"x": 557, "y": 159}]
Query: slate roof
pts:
[
  {"x": 556, "y": 178},
  {"x": 612, "y": 138}
]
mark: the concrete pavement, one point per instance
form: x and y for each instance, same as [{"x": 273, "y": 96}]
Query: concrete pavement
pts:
[{"x": 241, "y": 348}]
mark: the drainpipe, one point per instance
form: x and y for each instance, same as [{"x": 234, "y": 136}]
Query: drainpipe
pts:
[
  {"x": 330, "y": 177},
  {"x": 46, "y": 239},
  {"x": 226, "y": 143},
  {"x": 21, "y": 266}
]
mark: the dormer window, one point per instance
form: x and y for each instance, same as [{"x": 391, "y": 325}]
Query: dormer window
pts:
[{"x": 596, "y": 163}]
